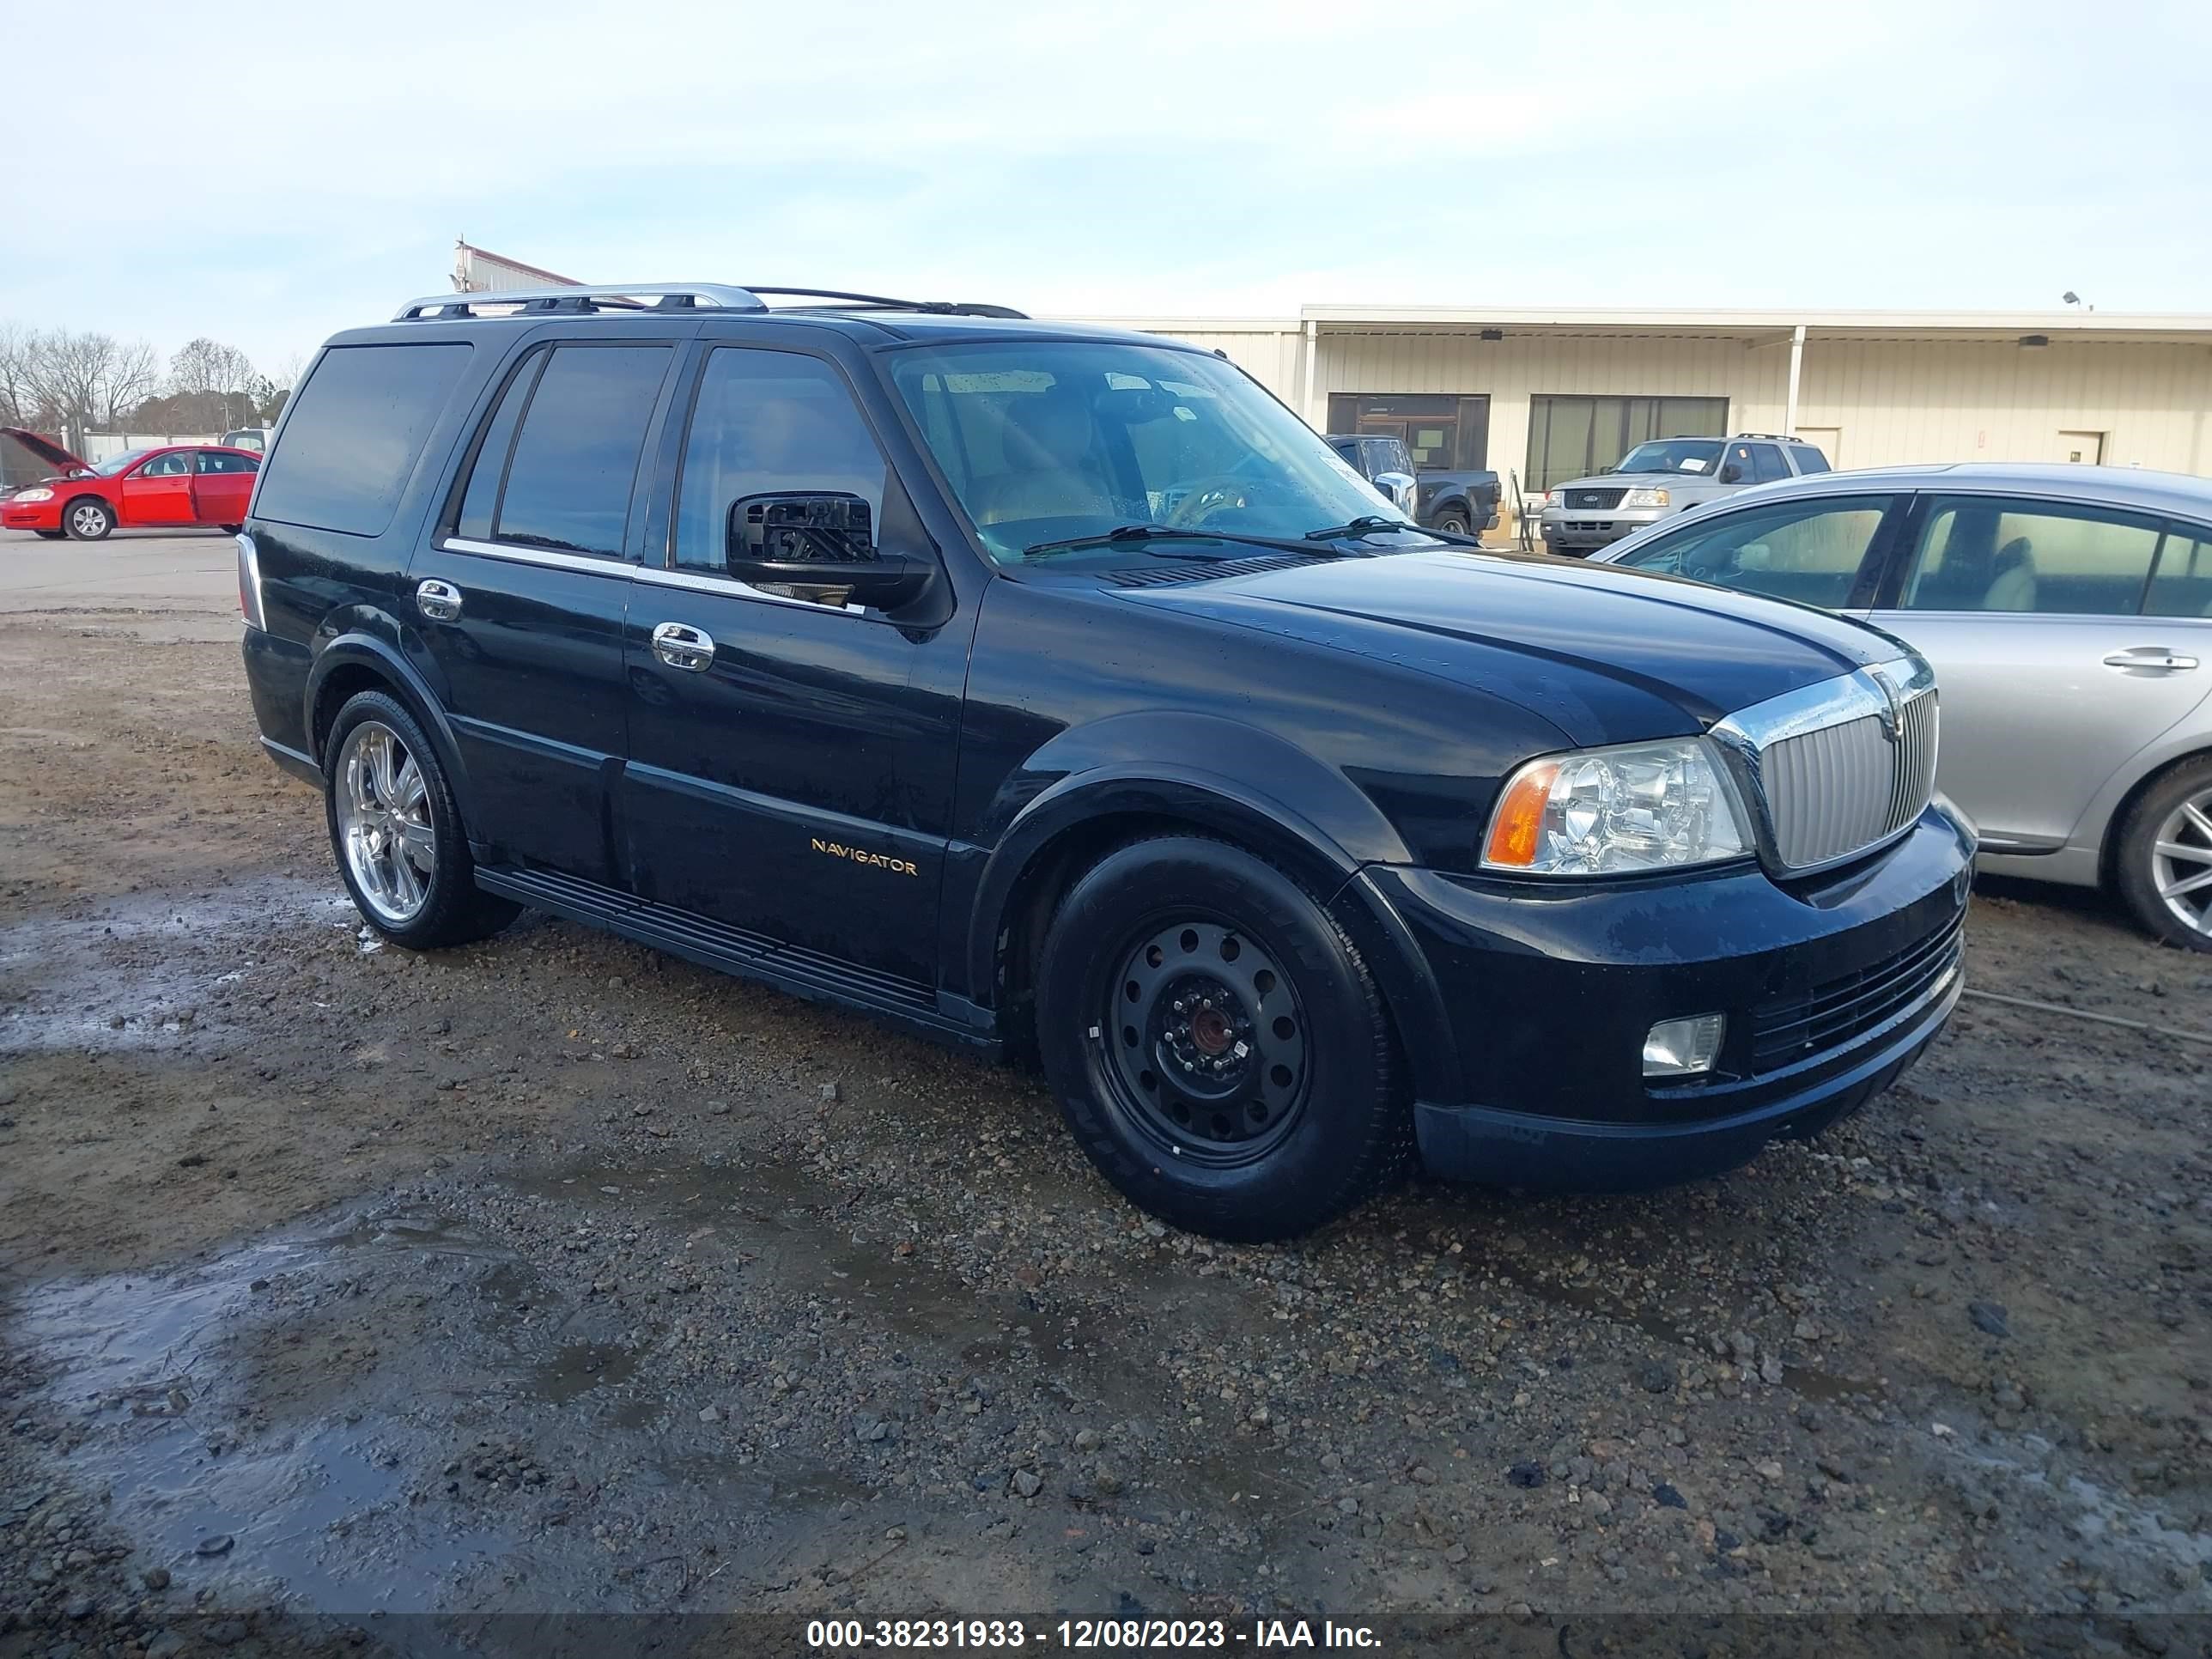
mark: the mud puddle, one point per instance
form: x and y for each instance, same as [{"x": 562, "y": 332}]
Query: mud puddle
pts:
[{"x": 139, "y": 973}]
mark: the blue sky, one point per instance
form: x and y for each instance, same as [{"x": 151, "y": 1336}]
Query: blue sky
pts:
[{"x": 296, "y": 170}]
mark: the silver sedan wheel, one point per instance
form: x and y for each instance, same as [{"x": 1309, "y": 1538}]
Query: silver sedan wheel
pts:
[
  {"x": 384, "y": 821},
  {"x": 89, "y": 521},
  {"x": 2181, "y": 862}
]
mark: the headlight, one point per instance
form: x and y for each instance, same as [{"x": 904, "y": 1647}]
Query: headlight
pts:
[
  {"x": 36, "y": 493},
  {"x": 1645, "y": 498},
  {"x": 1606, "y": 812}
]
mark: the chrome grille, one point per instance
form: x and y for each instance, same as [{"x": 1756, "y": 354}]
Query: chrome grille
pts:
[{"x": 1841, "y": 767}]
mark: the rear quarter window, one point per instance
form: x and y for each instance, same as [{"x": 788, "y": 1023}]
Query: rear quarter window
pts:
[{"x": 354, "y": 433}]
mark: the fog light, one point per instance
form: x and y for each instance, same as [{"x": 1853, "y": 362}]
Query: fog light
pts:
[{"x": 1683, "y": 1048}]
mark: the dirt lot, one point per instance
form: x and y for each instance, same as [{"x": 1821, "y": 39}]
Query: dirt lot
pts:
[{"x": 556, "y": 1277}]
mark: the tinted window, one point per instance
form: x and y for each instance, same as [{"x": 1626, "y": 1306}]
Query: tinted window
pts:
[
  {"x": 1767, "y": 465},
  {"x": 569, "y": 483},
  {"x": 354, "y": 433},
  {"x": 1808, "y": 459},
  {"x": 214, "y": 460},
  {"x": 1809, "y": 552},
  {"x": 768, "y": 421},
  {"x": 2182, "y": 586},
  {"x": 2058, "y": 561},
  {"x": 497, "y": 443},
  {"x": 175, "y": 464}
]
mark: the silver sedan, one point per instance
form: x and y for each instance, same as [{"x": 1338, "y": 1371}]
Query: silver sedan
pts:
[{"x": 2067, "y": 610}]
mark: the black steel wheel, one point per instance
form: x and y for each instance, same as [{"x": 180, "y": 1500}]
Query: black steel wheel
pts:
[
  {"x": 1205, "y": 1043},
  {"x": 1215, "y": 1043}
]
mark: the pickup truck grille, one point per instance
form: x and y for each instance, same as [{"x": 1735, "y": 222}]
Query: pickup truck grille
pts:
[
  {"x": 1581, "y": 499},
  {"x": 1785, "y": 1029},
  {"x": 1842, "y": 765}
]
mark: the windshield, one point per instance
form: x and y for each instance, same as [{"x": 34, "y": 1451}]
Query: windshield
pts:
[
  {"x": 123, "y": 463},
  {"x": 1049, "y": 441},
  {"x": 1672, "y": 455}
]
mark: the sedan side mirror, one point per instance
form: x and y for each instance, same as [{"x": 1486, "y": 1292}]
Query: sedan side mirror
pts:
[
  {"x": 818, "y": 538},
  {"x": 1731, "y": 473}
]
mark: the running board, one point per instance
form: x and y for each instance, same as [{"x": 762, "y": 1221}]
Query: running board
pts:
[{"x": 789, "y": 967}]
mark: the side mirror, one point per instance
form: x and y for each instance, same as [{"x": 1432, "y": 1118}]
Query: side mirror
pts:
[
  {"x": 817, "y": 539},
  {"x": 1732, "y": 473}
]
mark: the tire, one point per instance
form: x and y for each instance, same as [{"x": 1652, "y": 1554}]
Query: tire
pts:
[
  {"x": 231, "y": 529},
  {"x": 1453, "y": 524},
  {"x": 1233, "y": 964},
  {"x": 391, "y": 811},
  {"x": 50, "y": 535},
  {"x": 87, "y": 519},
  {"x": 2174, "y": 813}
]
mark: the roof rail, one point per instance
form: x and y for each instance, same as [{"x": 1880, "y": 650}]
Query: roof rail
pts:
[
  {"x": 1774, "y": 437},
  {"x": 878, "y": 302},
  {"x": 586, "y": 297}
]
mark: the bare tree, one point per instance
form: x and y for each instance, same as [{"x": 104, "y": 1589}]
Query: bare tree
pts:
[
  {"x": 217, "y": 378},
  {"x": 18, "y": 406},
  {"x": 131, "y": 378}
]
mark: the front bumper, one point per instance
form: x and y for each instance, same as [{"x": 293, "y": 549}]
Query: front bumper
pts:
[
  {"x": 30, "y": 516},
  {"x": 1831, "y": 988},
  {"x": 1578, "y": 530}
]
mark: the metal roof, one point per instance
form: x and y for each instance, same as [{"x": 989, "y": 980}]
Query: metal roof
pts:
[{"x": 2177, "y": 327}]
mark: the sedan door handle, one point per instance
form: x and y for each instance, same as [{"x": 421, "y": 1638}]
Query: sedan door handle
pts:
[
  {"x": 438, "y": 601},
  {"x": 682, "y": 646},
  {"x": 2156, "y": 657}
]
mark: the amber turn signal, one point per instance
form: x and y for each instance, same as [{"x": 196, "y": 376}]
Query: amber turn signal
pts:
[{"x": 1519, "y": 820}]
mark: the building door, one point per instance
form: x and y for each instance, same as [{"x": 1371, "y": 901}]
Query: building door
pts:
[
  {"x": 1574, "y": 437},
  {"x": 2085, "y": 448}
]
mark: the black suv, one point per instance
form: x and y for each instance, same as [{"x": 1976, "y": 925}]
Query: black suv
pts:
[{"x": 1057, "y": 692}]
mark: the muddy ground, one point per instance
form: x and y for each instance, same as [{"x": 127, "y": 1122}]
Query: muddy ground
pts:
[{"x": 553, "y": 1276}]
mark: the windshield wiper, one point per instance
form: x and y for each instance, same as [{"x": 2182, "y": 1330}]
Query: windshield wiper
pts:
[
  {"x": 1163, "y": 532},
  {"x": 1374, "y": 523}
]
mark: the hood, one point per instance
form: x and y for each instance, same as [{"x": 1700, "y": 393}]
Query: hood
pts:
[
  {"x": 1605, "y": 654},
  {"x": 1677, "y": 480},
  {"x": 51, "y": 453}
]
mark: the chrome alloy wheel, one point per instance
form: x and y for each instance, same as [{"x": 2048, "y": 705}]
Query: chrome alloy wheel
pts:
[
  {"x": 89, "y": 518},
  {"x": 384, "y": 821},
  {"x": 2181, "y": 862}
]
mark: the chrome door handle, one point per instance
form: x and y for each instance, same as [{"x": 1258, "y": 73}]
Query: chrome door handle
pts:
[
  {"x": 438, "y": 601},
  {"x": 2155, "y": 657},
  {"x": 682, "y": 646}
]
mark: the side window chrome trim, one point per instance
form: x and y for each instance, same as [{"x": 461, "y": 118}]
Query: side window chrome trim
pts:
[
  {"x": 598, "y": 563},
  {"x": 729, "y": 587}
]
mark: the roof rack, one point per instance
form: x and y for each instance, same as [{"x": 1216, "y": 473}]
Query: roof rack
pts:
[
  {"x": 1773, "y": 437},
  {"x": 673, "y": 296},
  {"x": 878, "y": 302},
  {"x": 588, "y": 297}
]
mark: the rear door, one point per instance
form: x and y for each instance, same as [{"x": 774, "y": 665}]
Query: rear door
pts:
[
  {"x": 158, "y": 490},
  {"x": 223, "y": 484},
  {"x": 521, "y": 593},
  {"x": 2051, "y": 676}
]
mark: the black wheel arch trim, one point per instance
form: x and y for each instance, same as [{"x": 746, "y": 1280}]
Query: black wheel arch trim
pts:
[
  {"x": 358, "y": 648},
  {"x": 1261, "y": 824}
]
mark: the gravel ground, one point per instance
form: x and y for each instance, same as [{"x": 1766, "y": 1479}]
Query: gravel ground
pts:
[{"x": 554, "y": 1276}]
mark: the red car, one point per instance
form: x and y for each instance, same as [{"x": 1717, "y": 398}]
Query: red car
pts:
[{"x": 175, "y": 484}]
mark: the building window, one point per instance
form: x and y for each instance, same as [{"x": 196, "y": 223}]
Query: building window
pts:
[
  {"x": 1442, "y": 431},
  {"x": 1574, "y": 437}
]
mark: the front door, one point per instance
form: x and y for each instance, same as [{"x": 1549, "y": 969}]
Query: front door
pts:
[
  {"x": 223, "y": 484},
  {"x": 2049, "y": 673},
  {"x": 791, "y": 757},
  {"x": 522, "y": 596},
  {"x": 159, "y": 490}
]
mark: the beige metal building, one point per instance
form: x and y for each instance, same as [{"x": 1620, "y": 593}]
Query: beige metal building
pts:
[
  {"x": 1548, "y": 395},
  {"x": 1540, "y": 396}
]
